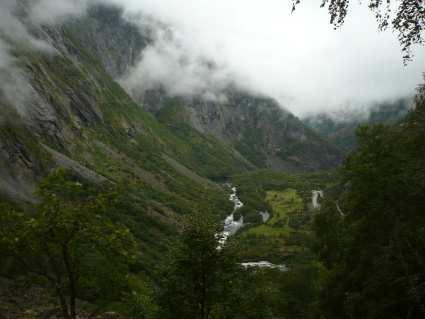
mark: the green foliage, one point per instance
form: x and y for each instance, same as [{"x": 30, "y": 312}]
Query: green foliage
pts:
[
  {"x": 283, "y": 204},
  {"x": 299, "y": 291},
  {"x": 202, "y": 281},
  {"x": 196, "y": 277},
  {"x": 139, "y": 302},
  {"x": 69, "y": 245}
]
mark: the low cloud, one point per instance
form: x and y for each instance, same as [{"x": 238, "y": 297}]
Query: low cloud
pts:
[
  {"x": 256, "y": 45},
  {"x": 172, "y": 64},
  {"x": 16, "y": 20},
  {"x": 57, "y": 11}
]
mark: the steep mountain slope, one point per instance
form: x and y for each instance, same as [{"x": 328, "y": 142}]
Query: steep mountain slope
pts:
[
  {"x": 256, "y": 127},
  {"x": 341, "y": 130},
  {"x": 105, "y": 34}
]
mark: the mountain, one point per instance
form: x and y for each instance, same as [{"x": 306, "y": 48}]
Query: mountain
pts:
[
  {"x": 255, "y": 126},
  {"x": 339, "y": 128},
  {"x": 79, "y": 116}
]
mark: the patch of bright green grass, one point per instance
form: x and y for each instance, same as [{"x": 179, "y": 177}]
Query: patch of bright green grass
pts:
[{"x": 282, "y": 204}]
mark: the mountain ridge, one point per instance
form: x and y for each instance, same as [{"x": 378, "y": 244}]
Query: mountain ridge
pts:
[{"x": 340, "y": 129}]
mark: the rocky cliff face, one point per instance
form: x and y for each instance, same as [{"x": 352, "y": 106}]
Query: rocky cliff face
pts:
[
  {"x": 257, "y": 127},
  {"x": 115, "y": 42},
  {"x": 22, "y": 159}
]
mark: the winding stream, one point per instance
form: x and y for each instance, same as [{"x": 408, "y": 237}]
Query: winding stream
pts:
[{"x": 231, "y": 226}]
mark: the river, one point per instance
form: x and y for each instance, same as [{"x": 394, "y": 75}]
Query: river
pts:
[{"x": 231, "y": 226}]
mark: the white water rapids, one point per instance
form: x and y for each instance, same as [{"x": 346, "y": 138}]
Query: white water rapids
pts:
[
  {"x": 315, "y": 196},
  {"x": 265, "y": 264},
  {"x": 231, "y": 226}
]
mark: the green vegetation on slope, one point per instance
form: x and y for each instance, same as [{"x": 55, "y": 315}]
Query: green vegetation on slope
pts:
[{"x": 213, "y": 159}]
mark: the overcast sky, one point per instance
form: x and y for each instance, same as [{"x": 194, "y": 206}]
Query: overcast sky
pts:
[{"x": 298, "y": 59}]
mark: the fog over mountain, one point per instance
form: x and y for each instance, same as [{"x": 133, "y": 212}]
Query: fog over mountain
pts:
[{"x": 200, "y": 47}]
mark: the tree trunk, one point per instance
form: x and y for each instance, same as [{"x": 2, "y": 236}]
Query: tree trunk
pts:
[
  {"x": 58, "y": 284},
  {"x": 204, "y": 315},
  {"x": 72, "y": 283},
  {"x": 63, "y": 304}
]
